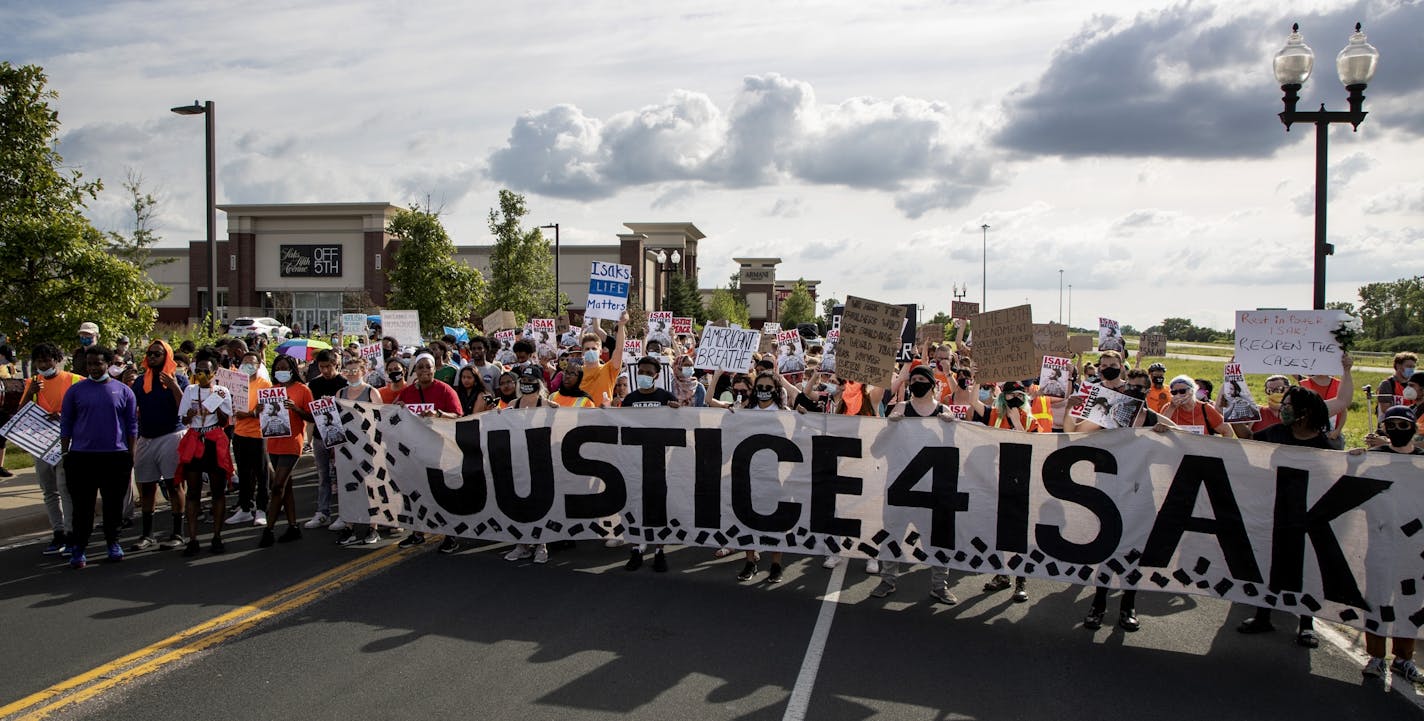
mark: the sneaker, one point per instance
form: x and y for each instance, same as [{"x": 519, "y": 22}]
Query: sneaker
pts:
[
  {"x": 614, "y": 543},
  {"x": 1251, "y": 625},
  {"x": 997, "y": 583},
  {"x": 659, "y": 562},
  {"x": 635, "y": 560},
  {"x": 77, "y": 560},
  {"x": 259, "y": 518},
  {"x": 240, "y": 517},
  {"x": 872, "y": 567},
  {"x": 449, "y": 545},
  {"x": 1405, "y": 668},
  {"x": 1374, "y": 668},
  {"x": 350, "y": 539},
  {"x": 267, "y": 538},
  {"x": 143, "y": 544},
  {"x": 172, "y": 542},
  {"x": 831, "y": 562},
  {"x": 518, "y": 553},
  {"x": 1094, "y": 620},
  {"x": 291, "y": 534},
  {"x": 774, "y": 575},
  {"x": 338, "y": 525},
  {"x": 1127, "y": 620},
  {"x": 883, "y": 589},
  {"x": 942, "y": 595},
  {"x": 1020, "y": 590},
  {"x": 55, "y": 546},
  {"x": 541, "y": 554},
  {"x": 414, "y": 539},
  {"x": 1307, "y": 639},
  {"x": 373, "y": 537},
  {"x": 6, "y": 473},
  {"x": 317, "y": 521},
  {"x": 749, "y": 569},
  {"x": 217, "y": 546},
  {"x": 193, "y": 548},
  {"x": 116, "y": 553}
]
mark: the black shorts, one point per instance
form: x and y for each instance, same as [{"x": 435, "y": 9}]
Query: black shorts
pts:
[
  {"x": 208, "y": 464},
  {"x": 283, "y": 460}
]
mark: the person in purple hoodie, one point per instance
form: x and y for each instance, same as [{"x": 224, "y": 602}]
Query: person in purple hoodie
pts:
[{"x": 97, "y": 429}]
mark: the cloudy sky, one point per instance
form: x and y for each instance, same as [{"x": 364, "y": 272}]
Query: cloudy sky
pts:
[{"x": 1134, "y": 145}]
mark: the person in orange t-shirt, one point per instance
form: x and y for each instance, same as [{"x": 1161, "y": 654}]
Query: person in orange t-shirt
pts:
[
  {"x": 1157, "y": 395},
  {"x": 285, "y": 451},
  {"x": 47, "y": 388},
  {"x": 1185, "y": 409},
  {"x": 249, "y": 450},
  {"x": 598, "y": 378}
]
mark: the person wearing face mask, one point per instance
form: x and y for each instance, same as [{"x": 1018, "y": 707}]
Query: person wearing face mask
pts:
[
  {"x": 570, "y": 394},
  {"x": 159, "y": 394},
  {"x": 688, "y": 390},
  {"x": 1204, "y": 389},
  {"x": 1157, "y": 396},
  {"x": 47, "y": 388},
  {"x": 817, "y": 395},
  {"x": 598, "y": 378},
  {"x": 395, "y": 381},
  {"x": 1186, "y": 409},
  {"x": 358, "y": 391},
  {"x": 1391, "y": 389},
  {"x": 648, "y": 395},
  {"x": 326, "y": 384},
  {"x": 1304, "y": 421},
  {"x": 204, "y": 449},
  {"x": 88, "y": 338},
  {"x": 1329, "y": 387},
  {"x": 1090, "y": 374},
  {"x": 98, "y": 425},
  {"x": 530, "y": 385},
  {"x": 766, "y": 396},
  {"x": 1010, "y": 408},
  {"x": 284, "y": 452},
  {"x": 249, "y": 449}
]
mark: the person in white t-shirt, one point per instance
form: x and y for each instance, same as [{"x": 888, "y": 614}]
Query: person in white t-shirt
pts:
[{"x": 205, "y": 408}]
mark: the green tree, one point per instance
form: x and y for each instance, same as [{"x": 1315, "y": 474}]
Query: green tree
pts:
[
  {"x": 136, "y": 247},
  {"x": 55, "y": 267},
  {"x": 727, "y": 305},
  {"x": 798, "y": 307},
  {"x": 1392, "y": 309},
  {"x": 521, "y": 264},
  {"x": 828, "y": 309},
  {"x": 683, "y": 299},
  {"x": 426, "y": 275}
]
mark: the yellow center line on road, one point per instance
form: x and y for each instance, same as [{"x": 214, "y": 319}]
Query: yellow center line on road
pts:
[{"x": 197, "y": 638}]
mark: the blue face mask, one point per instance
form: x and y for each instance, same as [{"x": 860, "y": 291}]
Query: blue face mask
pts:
[
  {"x": 984, "y": 395},
  {"x": 645, "y": 382},
  {"x": 590, "y": 357},
  {"x": 86, "y": 340}
]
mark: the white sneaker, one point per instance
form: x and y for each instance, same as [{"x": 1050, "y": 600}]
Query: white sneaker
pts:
[
  {"x": 317, "y": 521},
  {"x": 872, "y": 567},
  {"x": 831, "y": 562},
  {"x": 1374, "y": 668},
  {"x": 240, "y": 517},
  {"x": 373, "y": 537},
  {"x": 613, "y": 543},
  {"x": 259, "y": 518},
  {"x": 519, "y": 553},
  {"x": 541, "y": 554},
  {"x": 338, "y": 525}
]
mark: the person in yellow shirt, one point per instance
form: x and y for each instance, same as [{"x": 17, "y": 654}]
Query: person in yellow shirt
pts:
[
  {"x": 47, "y": 388},
  {"x": 598, "y": 378}
]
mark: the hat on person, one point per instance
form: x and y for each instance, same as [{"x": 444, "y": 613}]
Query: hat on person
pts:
[
  {"x": 531, "y": 372},
  {"x": 1404, "y": 412},
  {"x": 1156, "y": 367},
  {"x": 122, "y": 339},
  {"x": 922, "y": 371},
  {"x": 1417, "y": 379},
  {"x": 89, "y": 328},
  {"x": 1012, "y": 387}
]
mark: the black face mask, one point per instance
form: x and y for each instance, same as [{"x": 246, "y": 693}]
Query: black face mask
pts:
[
  {"x": 397, "y": 377},
  {"x": 527, "y": 388},
  {"x": 763, "y": 396},
  {"x": 920, "y": 389},
  {"x": 1399, "y": 436},
  {"x": 1014, "y": 401},
  {"x": 1110, "y": 373},
  {"x": 1133, "y": 391},
  {"x": 1158, "y": 380}
]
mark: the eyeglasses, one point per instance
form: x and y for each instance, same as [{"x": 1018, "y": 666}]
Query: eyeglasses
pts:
[
  {"x": 1276, "y": 389},
  {"x": 154, "y": 353},
  {"x": 1398, "y": 425},
  {"x": 1180, "y": 391}
]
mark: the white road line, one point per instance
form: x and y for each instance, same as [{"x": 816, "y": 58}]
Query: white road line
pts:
[
  {"x": 1400, "y": 684},
  {"x": 811, "y": 663}
]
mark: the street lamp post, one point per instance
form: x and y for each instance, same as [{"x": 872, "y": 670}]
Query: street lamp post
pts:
[
  {"x": 208, "y": 111},
  {"x": 984, "y": 282},
  {"x": 664, "y": 268},
  {"x": 1070, "y": 305},
  {"x": 1356, "y": 66},
  {"x": 557, "y": 310},
  {"x": 960, "y": 290}
]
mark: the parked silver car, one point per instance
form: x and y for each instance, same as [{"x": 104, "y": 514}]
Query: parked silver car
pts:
[{"x": 243, "y": 327}]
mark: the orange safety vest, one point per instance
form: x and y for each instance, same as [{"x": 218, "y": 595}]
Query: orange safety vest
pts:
[{"x": 1042, "y": 414}]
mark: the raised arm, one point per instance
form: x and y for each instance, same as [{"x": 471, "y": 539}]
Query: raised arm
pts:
[{"x": 1341, "y": 402}]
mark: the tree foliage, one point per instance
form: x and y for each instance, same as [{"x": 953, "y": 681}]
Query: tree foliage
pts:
[
  {"x": 1391, "y": 309},
  {"x": 56, "y": 268},
  {"x": 727, "y": 305},
  {"x": 521, "y": 264},
  {"x": 136, "y": 247},
  {"x": 683, "y": 299},
  {"x": 798, "y": 307},
  {"x": 1183, "y": 329},
  {"x": 426, "y": 275}
]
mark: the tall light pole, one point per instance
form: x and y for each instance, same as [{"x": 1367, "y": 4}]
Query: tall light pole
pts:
[
  {"x": 1356, "y": 66},
  {"x": 984, "y": 288},
  {"x": 557, "y": 310},
  {"x": 208, "y": 111},
  {"x": 1070, "y": 305},
  {"x": 1060, "y": 296}
]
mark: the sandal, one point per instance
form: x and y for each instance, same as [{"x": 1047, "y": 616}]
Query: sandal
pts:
[{"x": 1252, "y": 625}]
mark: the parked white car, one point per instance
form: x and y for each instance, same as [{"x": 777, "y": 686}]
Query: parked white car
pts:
[{"x": 243, "y": 327}]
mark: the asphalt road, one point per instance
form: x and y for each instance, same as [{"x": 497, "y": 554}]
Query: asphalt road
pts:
[{"x": 472, "y": 636}]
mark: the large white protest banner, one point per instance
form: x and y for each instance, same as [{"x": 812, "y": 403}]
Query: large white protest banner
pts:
[
  {"x": 31, "y": 430},
  {"x": 403, "y": 325},
  {"x": 1288, "y": 341},
  {"x": 608, "y": 290},
  {"x": 726, "y": 349},
  {"x": 1301, "y": 530}
]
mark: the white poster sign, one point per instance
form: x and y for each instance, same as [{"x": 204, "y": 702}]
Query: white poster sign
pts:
[
  {"x": 33, "y": 432},
  {"x": 608, "y": 290},
  {"x": 403, "y": 325},
  {"x": 1288, "y": 341},
  {"x": 726, "y": 349}
]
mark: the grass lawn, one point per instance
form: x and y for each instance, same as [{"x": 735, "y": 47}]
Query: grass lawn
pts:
[{"x": 16, "y": 459}]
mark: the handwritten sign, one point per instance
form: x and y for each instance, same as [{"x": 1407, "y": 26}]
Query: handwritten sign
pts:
[
  {"x": 1288, "y": 341},
  {"x": 608, "y": 290},
  {"x": 1003, "y": 345},
  {"x": 500, "y": 320},
  {"x": 870, "y": 341},
  {"x": 1154, "y": 345},
  {"x": 403, "y": 325},
  {"x": 1050, "y": 339},
  {"x": 33, "y": 432},
  {"x": 726, "y": 349},
  {"x": 681, "y": 326},
  {"x": 770, "y": 328},
  {"x": 963, "y": 310},
  {"x": 1080, "y": 343},
  {"x": 236, "y": 384},
  {"x": 353, "y": 324},
  {"x": 931, "y": 333}
]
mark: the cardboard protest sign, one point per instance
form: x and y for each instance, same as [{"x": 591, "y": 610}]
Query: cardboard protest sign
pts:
[
  {"x": 1288, "y": 341},
  {"x": 500, "y": 320},
  {"x": 1108, "y": 408},
  {"x": 327, "y": 420},
  {"x": 1055, "y": 377},
  {"x": 1003, "y": 345},
  {"x": 403, "y": 325},
  {"x": 930, "y": 333},
  {"x": 1237, "y": 404},
  {"x": 272, "y": 413},
  {"x": 608, "y": 290},
  {"x": 236, "y": 382},
  {"x": 726, "y": 349},
  {"x": 870, "y": 340},
  {"x": 1080, "y": 343},
  {"x": 908, "y": 326},
  {"x": 682, "y": 326},
  {"x": 1050, "y": 339},
  {"x": 1153, "y": 345},
  {"x": 32, "y": 431},
  {"x": 353, "y": 324},
  {"x": 767, "y": 344},
  {"x": 963, "y": 310},
  {"x": 1110, "y": 336}
]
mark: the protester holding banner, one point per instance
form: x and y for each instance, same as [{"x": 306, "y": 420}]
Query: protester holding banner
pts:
[
  {"x": 686, "y": 386},
  {"x": 326, "y": 384},
  {"x": 47, "y": 388},
  {"x": 285, "y": 451},
  {"x": 570, "y": 394},
  {"x": 98, "y": 426},
  {"x": 1391, "y": 389},
  {"x": 766, "y": 396},
  {"x": 506, "y": 389},
  {"x": 1191, "y": 413},
  {"x": 598, "y": 378},
  {"x": 204, "y": 448},
  {"x": 358, "y": 391},
  {"x": 648, "y": 395},
  {"x": 395, "y": 380},
  {"x": 158, "y": 392},
  {"x": 249, "y": 449},
  {"x": 470, "y": 389},
  {"x": 435, "y": 399}
]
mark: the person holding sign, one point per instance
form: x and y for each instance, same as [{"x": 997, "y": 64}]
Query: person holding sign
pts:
[
  {"x": 1391, "y": 390},
  {"x": 648, "y": 395},
  {"x": 1191, "y": 413},
  {"x": 250, "y": 449},
  {"x": 204, "y": 450},
  {"x": 766, "y": 396},
  {"x": 98, "y": 427},
  {"x": 325, "y": 385},
  {"x": 438, "y": 401},
  {"x": 285, "y": 451},
  {"x": 47, "y": 388},
  {"x": 598, "y": 378}
]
